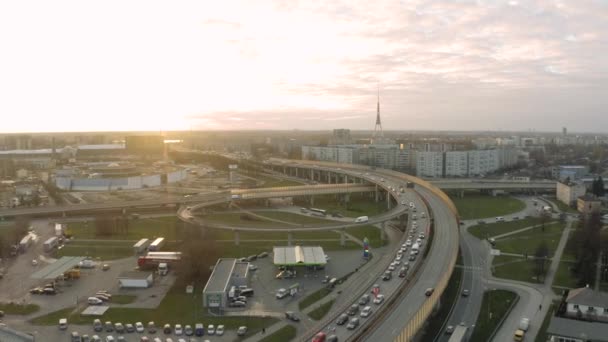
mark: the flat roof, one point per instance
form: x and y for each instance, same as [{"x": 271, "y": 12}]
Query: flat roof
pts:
[
  {"x": 299, "y": 255},
  {"x": 58, "y": 268},
  {"x": 10, "y": 335},
  {"x": 590, "y": 331},
  {"x": 134, "y": 275},
  {"x": 220, "y": 277}
]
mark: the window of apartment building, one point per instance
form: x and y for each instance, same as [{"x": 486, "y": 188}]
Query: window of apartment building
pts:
[
  {"x": 590, "y": 308},
  {"x": 575, "y": 306},
  {"x": 605, "y": 310}
]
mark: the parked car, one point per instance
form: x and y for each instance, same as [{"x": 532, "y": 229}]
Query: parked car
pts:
[
  {"x": 151, "y": 327},
  {"x": 199, "y": 329},
  {"x": 188, "y": 331},
  {"x": 252, "y": 267},
  {"x": 241, "y": 331},
  {"x": 263, "y": 255},
  {"x": 237, "y": 304},
  {"x": 139, "y": 327},
  {"x": 109, "y": 327},
  {"x": 63, "y": 323},
  {"x": 210, "y": 329},
  {"x": 178, "y": 330},
  {"x": 167, "y": 329},
  {"x": 129, "y": 328},
  {"x": 97, "y": 326},
  {"x": 219, "y": 330},
  {"x": 119, "y": 328}
]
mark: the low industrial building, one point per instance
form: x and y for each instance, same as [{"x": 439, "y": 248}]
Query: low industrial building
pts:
[
  {"x": 226, "y": 273},
  {"x": 292, "y": 256},
  {"x": 572, "y": 330},
  {"x": 585, "y": 303},
  {"x": 136, "y": 279}
]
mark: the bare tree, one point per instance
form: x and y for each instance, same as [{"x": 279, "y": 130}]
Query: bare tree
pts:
[
  {"x": 200, "y": 252},
  {"x": 540, "y": 260},
  {"x": 104, "y": 225}
]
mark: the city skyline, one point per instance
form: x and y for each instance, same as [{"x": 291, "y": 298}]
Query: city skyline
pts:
[{"x": 149, "y": 66}]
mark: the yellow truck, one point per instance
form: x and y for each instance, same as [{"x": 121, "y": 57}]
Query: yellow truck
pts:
[{"x": 519, "y": 335}]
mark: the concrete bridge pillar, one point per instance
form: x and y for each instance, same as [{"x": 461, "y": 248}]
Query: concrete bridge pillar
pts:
[
  {"x": 237, "y": 237},
  {"x": 383, "y": 231},
  {"x": 296, "y": 170},
  {"x": 343, "y": 237},
  {"x": 328, "y": 177},
  {"x": 461, "y": 194},
  {"x": 289, "y": 238},
  {"x": 388, "y": 200},
  {"x": 377, "y": 194},
  {"x": 63, "y": 214},
  {"x": 284, "y": 170}
]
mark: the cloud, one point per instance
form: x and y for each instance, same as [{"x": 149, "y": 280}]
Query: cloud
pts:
[{"x": 301, "y": 64}]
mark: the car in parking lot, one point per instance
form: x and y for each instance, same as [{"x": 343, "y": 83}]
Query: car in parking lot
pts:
[
  {"x": 281, "y": 293},
  {"x": 129, "y": 328},
  {"x": 237, "y": 304},
  {"x": 219, "y": 331},
  {"x": 211, "y": 329},
  {"x": 167, "y": 329},
  {"x": 379, "y": 299},
  {"x": 343, "y": 318},
  {"x": 241, "y": 331},
  {"x": 97, "y": 326},
  {"x": 188, "y": 331},
  {"x": 151, "y": 327},
  {"x": 109, "y": 327},
  {"x": 139, "y": 327},
  {"x": 353, "y": 323},
  {"x": 119, "y": 328}
]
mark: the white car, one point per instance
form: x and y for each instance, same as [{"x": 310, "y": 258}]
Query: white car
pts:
[
  {"x": 366, "y": 311},
  {"x": 281, "y": 293},
  {"x": 210, "y": 329},
  {"x": 179, "y": 330},
  {"x": 34, "y": 262},
  {"x": 252, "y": 267},
  {"x": 391, "y": 268},
  {"x": 379, "y": 299},
  {"x": 139, "y": 327},
  {"x": 408, "y": 243},
  {"x": 220, "y": 330}
]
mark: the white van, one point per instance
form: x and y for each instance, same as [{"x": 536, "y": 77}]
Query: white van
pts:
[
  {"x": 500, "y": 219},
  {"x": 63, "y": 323},
  {"x": 361, "y": 219}
]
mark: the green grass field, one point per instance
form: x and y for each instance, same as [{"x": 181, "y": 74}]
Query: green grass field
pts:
[
  {"x": 528, "y": 241},
  {"x": 359, "y": 205},
  {"x": 490, "y": 229},
  {"x": 321, "y": 311},
  {"x": 372, "y": 233},
  {"x": 313, "y": 298},
  {"x": 514, "y": 268},
  {"x": 285, "y": 334},
  {"x": 475, "y": 206},
  {"x": 494, "y": 306},
  {"x": 176, "y": 307},
  {"x": 167, "y": 226},
  {"x": 563, "y": 276},
  {"x": 18, "y": 309}
]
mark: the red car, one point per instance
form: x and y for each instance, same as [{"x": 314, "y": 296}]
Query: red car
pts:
[{"x": 320, "y": 337}]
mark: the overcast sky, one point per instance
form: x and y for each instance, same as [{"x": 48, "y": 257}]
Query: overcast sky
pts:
[{"x": 445, "y": 65}]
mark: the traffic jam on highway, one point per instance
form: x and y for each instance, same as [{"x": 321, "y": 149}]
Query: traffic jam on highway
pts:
[{"x": 390, "y": 278}]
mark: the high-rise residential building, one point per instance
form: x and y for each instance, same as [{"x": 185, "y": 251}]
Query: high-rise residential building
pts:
[{"x": 341, "y": 137}]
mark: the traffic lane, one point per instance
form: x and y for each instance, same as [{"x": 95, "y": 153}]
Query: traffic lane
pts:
[
  {"x": 527, "y": 306},
  {"x": 387, "y": 288},
  {"x": 433, "y": 271}
]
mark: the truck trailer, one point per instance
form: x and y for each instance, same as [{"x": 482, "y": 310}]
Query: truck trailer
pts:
[{"x": 152, "y": 261}]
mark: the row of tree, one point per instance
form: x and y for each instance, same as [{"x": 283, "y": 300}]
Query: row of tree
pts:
[
  {"x": 585, "y": 245},
  {"x": 597, "y": 187}
]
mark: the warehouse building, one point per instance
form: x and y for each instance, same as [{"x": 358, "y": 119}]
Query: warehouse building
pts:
[
  {"x": 226, "y": 273},
  {"x": 136, "y": 279}
]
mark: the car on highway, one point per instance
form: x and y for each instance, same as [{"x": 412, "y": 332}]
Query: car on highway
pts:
[
  {"x": 449, "y": 330},
  {"x": 402, "y": 272},
  {"x": 387, "y": 276},
  {"x": 379, "y": 299},
  {"x": 366, "y": 311},
  {"x": 364, "y": 299},
  {"x": 332, "y": 338},
  {"x": 375, "y": 287},
  {"x": 412, "y": 257},
  {"x": 465, "y": 293},
  {"x": 352, "y": 310},
  {"x": 319, "y": 337},
  {"x": 428, "y": 292},
  {"x": 343, "y": 318},
  {"x": 353, "y": 323}
]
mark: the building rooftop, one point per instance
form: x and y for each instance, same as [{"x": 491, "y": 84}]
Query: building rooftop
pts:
[
  {"x": 240, "y": 270},
  {"x": 58, "y": 268},
  {"x": 220, "y": 277},
  {"x": 572, "y": 328},
  {"x": 589, "y": 197},
  {"x": 102, "y": 147},
  {"x": 298, "y": 255},
  {"x": 134, "y": 275},
  {"x": 586, "y": 296}
]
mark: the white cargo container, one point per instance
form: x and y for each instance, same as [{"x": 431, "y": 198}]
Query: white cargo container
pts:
[
  {"x": 50, "y": 244},
  {"x": 157, "y": 244},
  {"x": 58, "y": 230},
  {"x": 141, "y": 246}
]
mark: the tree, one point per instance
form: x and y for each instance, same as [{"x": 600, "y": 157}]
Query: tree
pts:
[
  {"x": 544, "y": 218},
  {"x": 200, "y": 252},
  {"x": 104, "y": 225},
  {"x": 540, "y": 260},
  {"x": 601, "y": 191}
]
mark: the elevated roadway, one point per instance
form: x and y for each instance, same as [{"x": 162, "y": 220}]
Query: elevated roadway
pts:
[{"x": 481, "y": 184}]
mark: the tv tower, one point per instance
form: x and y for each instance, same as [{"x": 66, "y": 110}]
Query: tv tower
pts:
[{"x": 378, "y": 134}]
